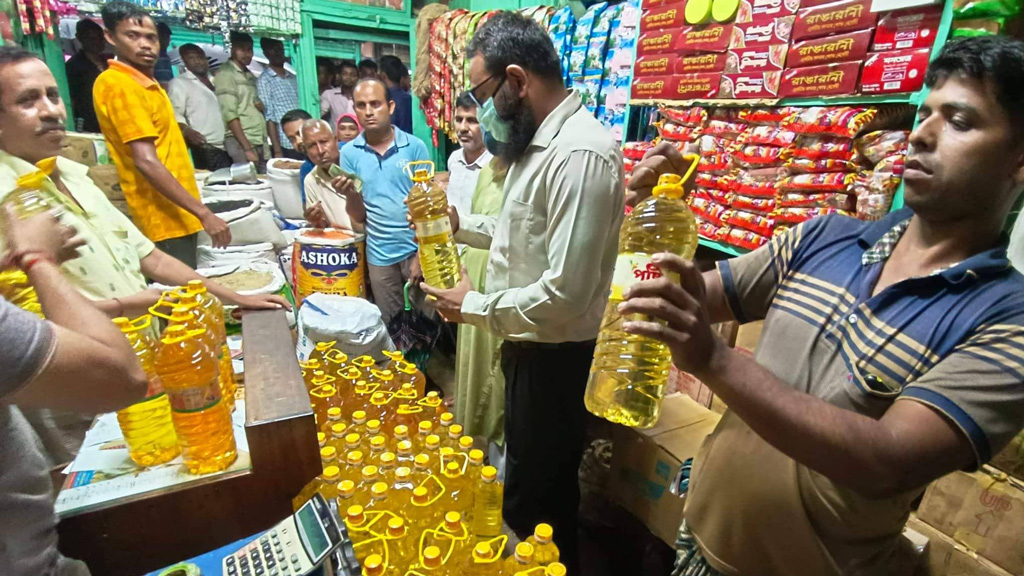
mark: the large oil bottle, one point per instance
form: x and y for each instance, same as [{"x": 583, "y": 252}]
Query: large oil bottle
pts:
[
  {"x": 214, "y": 319},
  {"x": 629, "y": 372},
  {"x": 428, "y": 207},
  {"x": 27, "y": 200}
]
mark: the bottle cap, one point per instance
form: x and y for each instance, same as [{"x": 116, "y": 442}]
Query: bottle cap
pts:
[
  {"x": 433, "y": 394},
  {"x": 395, "y": 355},
  {"x": 355, "y": 514},
  {"x": 321, "y": 346},
  {"x": 377, "y": 442},
  {"x": 405, "y": 368},
  {"x": 489, "y": 473},
  {"x": 401, "y": 431},
  {"x": 331, "y": 473},
  {"x": 476, "y": 456},
  {"x": 425, "y": 427},
  {"x": 334, "y": 413},
  {"x": 422, "y": 460},
  {"x": 379, "y": 489},
  {"x": 405, "y": 446},
  {"x": 373, "y": 565},
  {"x": 338, "y": 430},
  {"x": 524, "y": 552},
  {"x": 351, "y": 440},
  {"x": 455, "y": 431},
  {"x": 432, "y": 557},
  {"x": 447, "y": 419},
  {"x": 388, "y": 459},
  {"x": 321, "y": 438},
  {"x": 351, "y": 373},
  {"x": 364, "y": 361},
  {"x": 452, "y": 520},
  {"x": 385, "y": 375},
  {"x": 195, "y": 287},
  {"x": 328, "y": 453},
  {"x": 369, "y": 472},
  {"x": 466, "y": 443},
  {"x": 555, "y": 569},
  {"x": 452, "y": 469},
  {"x": 354, "y": 457},
  {"x": 671, "y": 185},
  {"x": 447, "y": 451},
  {"x": 377, "y": 398},
  {"x": 402, "y": 473},
  {"x": 373, "y": 427},
  {"x": 482, "y": 551},
  {"x": 543, "y": 532},
  {"x": 433, "y": 442},
  {"x": 697, "y": 12},
  {"x": 419, "y": 496},
  {"x": 396, "y": 527},
  {"x": 359, "y": 417},
  {"x": 346, "y": 488}
]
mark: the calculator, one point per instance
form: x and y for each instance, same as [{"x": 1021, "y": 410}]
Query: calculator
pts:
[{"x": 293, "y": 547}]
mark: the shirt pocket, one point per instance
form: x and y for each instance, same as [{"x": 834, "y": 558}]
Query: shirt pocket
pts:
[{"x": 521, "y": 243}]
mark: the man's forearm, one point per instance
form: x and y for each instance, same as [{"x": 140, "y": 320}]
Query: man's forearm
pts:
[
  {"x": 275, "y": 140},
  {"x": 355, "y": 208},
  {"x": 63, "y": 305},
  {"x": 235, "y": 127},
  {"x": 165, "y": 183}
]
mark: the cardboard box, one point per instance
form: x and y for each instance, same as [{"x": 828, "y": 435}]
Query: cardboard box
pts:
[
  {"x": 840, "y": 48},
  {"x": 657, "y": 42},
  {"x": 645, "y": 463},
  {"x": 982, "y": 511},
  {"x": 650, "y": 88},
  {"x": 706, "y": 38},
  {"x": 655, "y": 65},
  {"x": 687, "y": 86},
  {"x": 85, "y": 148},
  {"x": 659, "y": 3},
  {"x": 1011, "y": 459},
  {"x": 762, "y": 10},
  {"x": 834, "y": 18},
  {"x": 752, "y": 85},
  {"x": 826, "y": 80},
  {"x": 749, "y": 335},
  {"x": 942, "y": 556},
  {"x": 899, "y": 71},
  {"x": 106, "y": 179},
  {"x": 759, "y": 59},
  {"x": 662, "y": 18},
  {"x": 695, "y": 63},
  {"x": 906, "y": 29},
  {"x": 764, "y": 33}
]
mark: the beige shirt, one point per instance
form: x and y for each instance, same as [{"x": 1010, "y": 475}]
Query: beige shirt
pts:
[
  {"x": 196, "y": 106},
  {"x": 319, "y": 189},
  {"x": 553, "y": 245}
]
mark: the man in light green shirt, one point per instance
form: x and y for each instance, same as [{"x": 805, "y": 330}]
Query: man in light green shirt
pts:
[{"x": 240, "y": 105}]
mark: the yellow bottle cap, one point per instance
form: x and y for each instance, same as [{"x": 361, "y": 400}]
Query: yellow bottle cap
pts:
[
  {"x": 347, "y": 488},
  {"x": 183, "y": 312},
  {"x": 452, "y": 520},
  {"x": 328, "y": 453},
  {"x": 377, "y": 398},
  {"x": 373, "y": 427},
  {"x": 195, "y": 287},
  {"x": 354, "y": 514},
  {"x": 404, "y": 446},
  {"x": 385, "y": 375},
  {"x": 331, "y": 473},
  {"x": 373, "y": 565},
  {"x": 321, "y": 438},
  {"x": 447, "y": 419},
  {"x": 482, "y": 551},
  {"x": 401, "y": 431},
  {"x": 447, "y": 451},
  {"x": 543, "y": 532},
  {"x": 396, "y": 527},
  {"x": 352, "y": 439},
  {"x": 403, "y": 473},
  {"x": 177, "y": 333},
  {"x": 489, "y": 473},
  {"x": 364, "y": 361},
  {"x": 405, "y": 368},
  {"x": 379, "y": 489},
  {"x": 452, "y": 469},
  {"x": 422, "y": 460},
  {"x": 432, "y": 557},
  {"x": 334, "y": 413},
  {"x": 555, "y": 569},
  {"x": 455, "y": 431},
  {"x": 359, "y": 417},
  {"x": 466, "y": 443},
  {"x": 425, "y": 427},
  {"x": 351, "y": 373},
  {"x": 354, "y": 457},
  {"x": 321, "y": 346},
  {"x": 476, "y": 456},
  {"x": 338, "y": 430},
  {"x": 369, "y": 472},
  {"x": 388, "y": 459},
  {"x": 395, "y": 355},
  {"x": 433, "y": 442},
  {"x": 377, "y": 442},
  {"x": 433, "y": 394},
  {"x": 419, "y": 496},
  {"x": 670, "y": 185},
  {"x": 524, "y": 552}
]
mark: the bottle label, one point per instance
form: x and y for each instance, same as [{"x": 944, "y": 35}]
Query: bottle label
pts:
[
  {"x": 155, "y": 388},
  {"x": 631, "y": 268},
  {"x": 428, "y": 228},
  {"x": 195, "y": 398}
]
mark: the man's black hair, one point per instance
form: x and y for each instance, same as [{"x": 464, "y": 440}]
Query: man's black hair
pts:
[
  {"x": 997, "y": 61},
  {"x": 378, "y": 81},
  {"x": 270, "y": 42},
  {"x": 293, "y": 115},
  {"x": 162, "y": 28},
  {"x": 13, "y": 54},
  {"x": 368, "y": 63},
  {"x": 465, "y": 101},
  {"x": 118, "y": 11},
  {"x": 511, "y": 38},
  {"x": 241, "y": 38},
  {"x": 393, "y": 68},
  {"x": 86, "y": 25},
  {"x": 347, "y": 64}
]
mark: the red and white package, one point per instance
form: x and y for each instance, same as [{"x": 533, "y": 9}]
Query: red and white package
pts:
[
  {"x": 706, "y": 209},
  {"x": 714, "y": 164},
  {"x": 824, "y": 182},
  {"x": 707, "y": 229},
  {"x": 762, "y": 33},
  {"x": 636, "y": 150},
  {"x": 724, "y": 128},
  {"x": 759, "y": 205},
  {"x": 690, "y": 86},
  {"x": 757, "y": 156},
  {"x": 656, "y": 42},
  {"x": 839, "y": 200},
  {"x": 660, "y": 3},
  {"x": 825, "y": 80},
  {"x": 758, "y": 59},
  {"x": 696, "y": 63},
  {"x": 762, "y": 183},
  {"x": 839, "y": 48},
  {"x": 906, "y": 29},
  {"x": 743, "y": 238},
  {"x": 650, "y": 87},
  {"x": 693, "y": 116},
  {"x": 628, "y": 164},
  {"x": 713, "y": 144},
  {"x": 817, "y": 147},
  {"x": 676, "y": 132},
  {"x": 712, "y": 37},
  {"x": 808, "y": 166},
  {"x": 661, "y": 18},
  {"x": 752, "y": 85},
  {"x": 717, "y": 196},
  {"x": 875, "y": 146},
  {"x": 752, "y": 221},
  {"x": 761, "y": 10},
  {"x": 841, "y": 121},
  {"x": 768, "y": 116},
  {"x": 655, "y": 65},
  {"x": 899, "y": 71},
  {"x": 713, "y": 181},
  {"x": 767, "y": 136},
  {"x": 834, "y": 18},
  {"x": 802, "y": 214}
]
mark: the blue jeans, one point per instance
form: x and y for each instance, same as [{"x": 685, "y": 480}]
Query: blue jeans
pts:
[{"x": 690, "y": 560}]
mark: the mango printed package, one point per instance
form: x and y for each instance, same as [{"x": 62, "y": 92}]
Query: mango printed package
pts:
[
  {"x": 758, "y": 59},
  {"x": 906, "y": 29},
  {"x": 834, "y": 18},
  {"x": 838, "y": 48},
  {"x": 761, "y": 10},
  {"x": 898, "y": 71},
  {"x": 662, "y": 18},
  {"x": 762, "y": 33},
  {"x": 825, "y": 80},
  {"x": 751, "y": 85}
]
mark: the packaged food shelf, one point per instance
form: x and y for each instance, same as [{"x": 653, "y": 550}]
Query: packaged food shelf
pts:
[
  {"x": 848, "y": 100},
  {"x": 721, "y": 247}
]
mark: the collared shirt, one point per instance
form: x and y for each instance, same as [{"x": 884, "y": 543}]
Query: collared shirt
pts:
[
  {"x": 280, "y": 94},
  {"x": 236, "y": 92},
  {"x": 195, "y": 105},
  {"x": 334, "y": 104},
  {"x": 385, "y": 186},
  {"x": 132, "y": 106},
  {"x": 403, "y": 108},
  {"x": 953, "y": 341},
  {"x": 82, "y": 74},
  {"x": 319, "y": 189},
  {"x": 553, "y": 245},
  {"x": 462, "y": 177}
]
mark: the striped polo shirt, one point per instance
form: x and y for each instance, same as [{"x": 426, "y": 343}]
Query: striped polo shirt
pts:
[{"x": 952, "y": 340}]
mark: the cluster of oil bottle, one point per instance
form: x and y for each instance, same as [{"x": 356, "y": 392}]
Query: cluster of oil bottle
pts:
[
  {"x": 191, "y": 394},
  {"x": 415, "y": 495}
]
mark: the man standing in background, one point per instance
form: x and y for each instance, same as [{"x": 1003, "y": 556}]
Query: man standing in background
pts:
[
  {"x": 197, "y": 111},
  {"x": 336, "y": 101},
  {"x": 163, "y": 72},
  {"x": 393, "y": 72},
  {"x": 240, "y": 105},
  {"x": 138, "y": 123},
  {"x": 278, "y": 89},
  {"x": 368, "y": 69},
  {"x": 465, "y": 164},
  {"x": 82, "y": 69}
]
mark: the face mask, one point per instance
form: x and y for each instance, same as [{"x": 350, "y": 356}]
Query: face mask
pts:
[
  {"x": 491, "y": 124},
  {"x": 492, "y": 145}
]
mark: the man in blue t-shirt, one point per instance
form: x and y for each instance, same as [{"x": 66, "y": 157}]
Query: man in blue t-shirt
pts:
[{"x": 378, "y": 157}]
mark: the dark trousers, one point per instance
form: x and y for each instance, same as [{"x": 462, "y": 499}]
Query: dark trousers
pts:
[
  {"x": 209, "y": 158},
  {"x": 183, "y": 248},
  {"x": 545, "y": 433}
]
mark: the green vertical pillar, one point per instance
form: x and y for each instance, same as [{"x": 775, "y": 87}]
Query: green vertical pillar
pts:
[
  {"x": 305, "y": 68},
  {"x": 51, "y": 53}
]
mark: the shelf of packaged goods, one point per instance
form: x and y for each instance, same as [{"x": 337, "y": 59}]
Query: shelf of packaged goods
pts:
[
  {"x": 849, "y": 100},
  {"x": 721, "y": 247}
]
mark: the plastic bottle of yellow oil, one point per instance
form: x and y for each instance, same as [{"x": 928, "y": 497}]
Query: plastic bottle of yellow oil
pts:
[
  {"x": 402, "y": 489},
  {"x": 202, "y": 421},
  {"x": 456, "y": 530},
  {"x": 346, "y": 494},
  {"x": 544, "y": 550},
  {"x": 421, "y": 512},
  {"x": 27, "y": 200},
  {"x": 431, "y": 563},
  {"x": 483, "y": 562},
  {"x": 487, "y": 504},
  {"x": 353, "y": 469},
  {"x": 556, "y": 569},
  {"x": 309, "y": 369},
  {"x": 402, "y": 546},
  {"x": 146, "y": 425},
  {"x": 629, "y": 372},
  {"x": 379, "y": 498},
  {"x": 355, "y": 519},
  {"x": 329, "y": 482},
  {"x": 214, "y": 321},
  {"x": 458, "y": 496},
  {"x": 408, "y": 373},
  {"x": 388, "y": 464},
  {"x": 428, "y": 207},
  {"x": 333, "y": 418},
  {"x": 521, "y": 561}
]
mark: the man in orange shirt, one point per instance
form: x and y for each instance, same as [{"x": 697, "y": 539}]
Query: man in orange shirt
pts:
[{"x": 145, "y": 142}]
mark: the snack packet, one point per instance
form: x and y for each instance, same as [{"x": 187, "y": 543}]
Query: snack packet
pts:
[
  {"x": 820, "y": 147},
  {"x": 841, "y": 121},
  {"x": 807, "y": 166},
  {"x": 823, "y": 182},
  {"x": 874, "y": 146}
]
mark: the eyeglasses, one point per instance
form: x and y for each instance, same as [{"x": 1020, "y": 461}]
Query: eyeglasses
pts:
[{"x": 472, "y": 91}]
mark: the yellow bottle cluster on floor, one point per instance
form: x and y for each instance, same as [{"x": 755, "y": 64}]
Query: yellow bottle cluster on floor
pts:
[{"x": 414, "y": 493}]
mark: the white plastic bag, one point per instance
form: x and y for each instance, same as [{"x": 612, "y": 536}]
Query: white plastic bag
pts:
[
  {"x": 260, "y": 190},
  {"x": 249, "y": 220},
  {"x": 210, "y": 257},
  {"x": 354, "y": 323},
  {"x": 284, "y": 184}
]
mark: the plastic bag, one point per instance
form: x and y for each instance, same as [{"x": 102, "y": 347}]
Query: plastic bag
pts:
[
  {"x": 767, "y": 136},
  {"x": 761, "y": 205},
  {"x": 824, "y": 182},
  {"x": 636, "y": 150},
  {"x": 694, "y": 117},
  {"x": 743, "y": 238},
  {"x": 838, "y": 200},
  {"x": 761, "y": 183},
  {"x": 757, "y": 156},
  {"x": 802, "y": 214},
  {"x": 963, "y": 9},
  {"x": 771, "y": 116},
  {"x": 724, "y": 128},
  {"x": 820, "y": 147},
  {"x": 354, "y": 323},
  {"x": 713, "y": 144},
  {"x": 708, "y": 210},
  {"x": 841, "y": 121},
  {"x": 874, "y": 146},
  {"x": 714, "y": 164},
  {"x": 677, "y": 132},
  {"x": 808, "y": 166},
  {"x": 713, "y": 181}
]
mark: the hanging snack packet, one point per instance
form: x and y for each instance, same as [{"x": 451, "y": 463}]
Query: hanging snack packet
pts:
[
  {"x": 761, "y": 183},
  {"x": 714, "y": 181},
  {"x": 757, "y": 156},
  {"x": 744, "y": 238},
  {"x": 676, "y": 132},
  {"x": 820, "y": 147},
  {"x": 819, "y": 200},
  {"x": 714, "y": 164},
  {"x": 749, "y": 221},
  {"x": 825, "y": 182},
  {"x": 808, "y": 166},
  {"x": 636, "y": 150},
  {"x": 798, "y": 215},
  {"x": 710, "y": 211},
  {"x": 760, "y": 205},
  {"x": 767, "y": 136},
  {"x": 874, "y": 146},
  {"x": 767, "y": 116},
  {"x": 841, "y": 121},
  {"x": 724, "y": 128},
  {"x": 694, "y": 116}
]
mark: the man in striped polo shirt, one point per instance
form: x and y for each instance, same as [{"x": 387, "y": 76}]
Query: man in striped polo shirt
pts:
[{"x": 892, "y": 351}]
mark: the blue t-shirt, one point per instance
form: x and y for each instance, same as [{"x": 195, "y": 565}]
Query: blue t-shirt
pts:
[
  {"x": 306, "y": 168},
  {"x": 385, "y": 186},
  {"x": 402, "y": 118}
]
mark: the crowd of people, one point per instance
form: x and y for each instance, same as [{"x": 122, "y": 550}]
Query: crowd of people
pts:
[{"x": 832, "y": 456}]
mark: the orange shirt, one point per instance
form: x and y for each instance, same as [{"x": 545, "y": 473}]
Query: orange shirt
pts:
[{"x": 132, "y": 106}]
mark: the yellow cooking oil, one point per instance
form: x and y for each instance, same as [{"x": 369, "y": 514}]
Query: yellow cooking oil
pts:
[
  {"x": 202, "y": 420},
  {"x": 402, "y": 545},
  {"x": 147, "y": 427},
  {"x": 309, "y": 369},
  {"x": 629, "y": 372},
  {"x": 521, "y": 560},
  {"x": 215, "y": 318},
  {"x": 428, "y": 207},
  {"x": 408, "y": 373},
  {"x": 544, "y": 550},
  {"x": 27, "y": 200},
  {"x": 487, "y": 504}
]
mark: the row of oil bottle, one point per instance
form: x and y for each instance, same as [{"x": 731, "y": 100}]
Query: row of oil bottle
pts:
[
  {"x": 416, "y": 496},
  {"x": 187, "y": 409}
]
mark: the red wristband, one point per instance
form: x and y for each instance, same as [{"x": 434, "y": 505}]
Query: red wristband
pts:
[{"x": 30, "y": 259}]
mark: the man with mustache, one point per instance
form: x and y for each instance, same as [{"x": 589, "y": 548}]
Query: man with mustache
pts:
[
  {"x": 324, "y": 207},
  {"x": 145, "y": 142},
  {"x": 466, "y": 163},
  {"x": 892, "y": 351},
  {"x": 552, "y": 251}
]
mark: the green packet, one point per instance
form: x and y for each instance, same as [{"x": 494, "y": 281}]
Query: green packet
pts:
[
  {"x": 336, "y": 171},
  {"x": 966, "y": 9}
]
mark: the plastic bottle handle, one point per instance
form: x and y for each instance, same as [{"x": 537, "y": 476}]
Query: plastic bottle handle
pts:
[
  {"x": 694, "y": 160},
  {"x": 457, "y": 456},
  {"x": 168, "y": 299},
  {"x": 440, "y": 493},
  {"x": 410, "y": 170},
  {"x": 388, "y": 395}
]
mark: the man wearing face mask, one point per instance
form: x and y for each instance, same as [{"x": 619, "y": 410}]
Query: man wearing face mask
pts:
[{"x": 552, "y": 252}]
